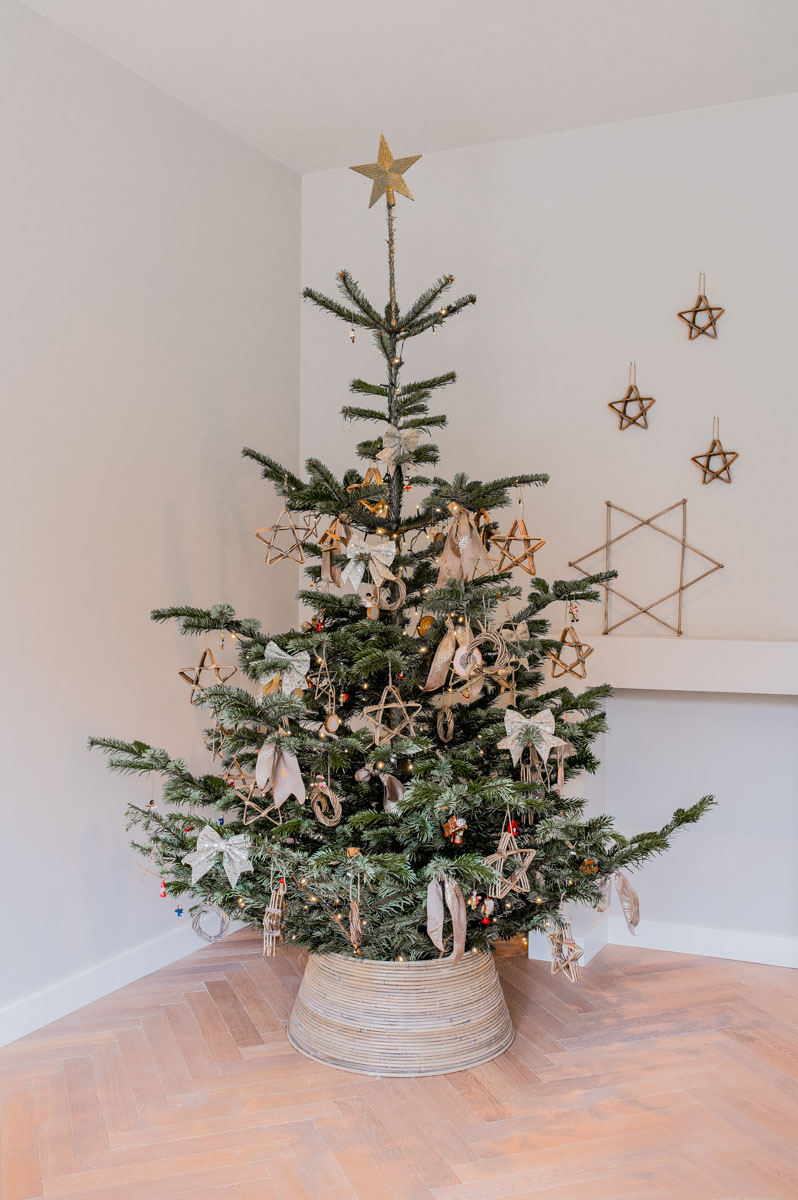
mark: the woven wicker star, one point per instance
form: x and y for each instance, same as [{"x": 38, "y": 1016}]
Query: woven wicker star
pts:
[
  {"x": 518, "y": 880},
  {"x": 525, "y": 559},
  {"x": 565, "y": 954},
  {"x": 207, "y": 662},
  {"x": 704, "y": 461},
  {"x": 632, "y": 408},
  {"x": 252, "y": 811},
  {"x": 581, "y": 651},
  {"x": 298, "y": 531},
  {"x": 702, "y": 318},
  {"x": 391, "y": 701}
]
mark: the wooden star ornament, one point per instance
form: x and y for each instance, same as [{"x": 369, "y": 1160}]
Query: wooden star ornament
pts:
[
  {"x": 581, "y": 651},
  {"x": 565, "y": 953},
  {"x": 632, "y": 408},
  {"x": 297, "y": 531},
  {"x": 207, "y": 662},
  {"x": 715, "y": 451},
  {"x": 391, "y": 701},
  {"x": 386, "y": 174},
  {"x": 702, "y": 318},
  {"x": 525, "y": 559}
]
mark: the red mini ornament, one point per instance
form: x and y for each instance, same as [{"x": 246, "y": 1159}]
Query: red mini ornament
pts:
[
  {"x": 454, "y": 828},
  {"x": 163, "y": 889}
]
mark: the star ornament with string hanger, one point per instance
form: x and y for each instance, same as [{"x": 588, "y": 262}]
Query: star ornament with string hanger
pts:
[
  {"x": 518, "y": 532},
  {"x": 703, "y": 317},
  {"x": 507, "y": 850},
  {"x": 580, "y": 650},
  {"x": 632, "y": 409},
  {"x": 386, "y": 174},
  {"x": 391, "y": 701},
  {"x": 293, "y": 551},
  {"x": 715, "y": 451},
  {"x": 565, "y": 953},
  {"x": 207, "y": 662}
]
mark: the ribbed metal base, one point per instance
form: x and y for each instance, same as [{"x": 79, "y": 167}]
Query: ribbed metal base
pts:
[{"x": 392, "y": 1018}]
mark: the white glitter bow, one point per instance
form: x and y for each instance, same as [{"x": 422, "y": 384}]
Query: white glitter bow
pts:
[
  {"x": 377, "y": 558},
  {"x": 292, "y": 670},
  {"x": 397, "y": 442},
  {"x": 537, "y": 730},
  {"x": 234, "y": 852}
]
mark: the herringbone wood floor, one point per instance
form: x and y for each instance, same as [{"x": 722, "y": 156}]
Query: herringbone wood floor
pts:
[{"x": 660, "y": 1075}]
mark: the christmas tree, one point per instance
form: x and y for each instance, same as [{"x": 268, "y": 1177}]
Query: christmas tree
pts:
[{"x": 407, "y": 747}]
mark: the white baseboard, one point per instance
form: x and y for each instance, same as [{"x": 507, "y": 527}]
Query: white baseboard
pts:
[
  {"x": 40, "y": 1008},
  {"x": 772, "y": 949}
]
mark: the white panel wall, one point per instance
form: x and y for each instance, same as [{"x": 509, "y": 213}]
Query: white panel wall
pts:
[
  {"x": 148, "y": 330},
  {"x": 582, "y": 247}
]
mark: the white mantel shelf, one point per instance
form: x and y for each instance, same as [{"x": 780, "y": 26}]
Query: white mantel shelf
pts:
[{"x": 687, "y": 664}]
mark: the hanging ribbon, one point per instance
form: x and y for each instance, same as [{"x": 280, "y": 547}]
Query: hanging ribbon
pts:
[
  {"x": 393, "y": 789},
  {"x": 292, "y": 670},
  {"x": 330, "y": 544},
  {"x": 463, "y": 550},
  {"x": 435, "y": 913},
  {"x": 276, "y": 768},
  {"x": 377, "y": 558},
  {"x": 630, "y": 901},
  {"x": 234, "y": 852},
  {"x": 396, "y": 443},
  {"x": 439, "y": 668}
]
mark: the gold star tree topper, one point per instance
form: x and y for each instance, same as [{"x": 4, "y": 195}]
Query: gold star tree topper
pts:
[{"x": 386, "y": 174}]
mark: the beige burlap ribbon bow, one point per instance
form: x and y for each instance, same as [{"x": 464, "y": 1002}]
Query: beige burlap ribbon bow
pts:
[
  {"x": 435, "y": 913},
  {"x": 463, "y": 550},
  {"x": 395, "y": 444},
  {"x": 377, "y": 558},
  {"x": 277, "y": 769},
  {"x": 234, "y": 852}
]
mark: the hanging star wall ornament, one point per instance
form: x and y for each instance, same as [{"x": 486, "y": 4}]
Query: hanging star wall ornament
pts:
[
  {"x": 632, "y": 408},
  {"x": 650, "y": 523},
  {"x": 716, "y": 450},
  {"x": 702, "y": 318},
  {"x": 207, "y": 662},
  {"x": 386, "y": 174},
  {"x": 581, "y": 651}
]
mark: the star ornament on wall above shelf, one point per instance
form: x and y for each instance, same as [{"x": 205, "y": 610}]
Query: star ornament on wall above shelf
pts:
[
  {"x": 605, "y": 550},
  {"x": 703, "y": 317},
  {"x": 716, "y": 451},
  {"x": 386, "y": 174},
  {"x": 632, "y": 408}
]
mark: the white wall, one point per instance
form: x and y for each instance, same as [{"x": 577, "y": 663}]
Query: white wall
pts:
[
  {"x": 582, "y": 247},
  {"x": 148, "y": 330}
]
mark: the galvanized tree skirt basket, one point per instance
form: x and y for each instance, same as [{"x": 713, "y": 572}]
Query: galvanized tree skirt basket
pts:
[{"x": 400, "y": 1018}]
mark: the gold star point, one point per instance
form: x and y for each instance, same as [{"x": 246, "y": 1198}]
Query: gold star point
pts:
[
  {"x": 704, "y": 461},
  {"x": 632, "y": 397},
  {"x": 387, "y": 174}
]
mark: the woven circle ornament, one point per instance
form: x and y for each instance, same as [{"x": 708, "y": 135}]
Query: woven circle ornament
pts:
[
  {"x": 702, "y": 318},
  {"x": 224, "y": 922},
  {"x": 385, "y": 600},
  {"x": 296, "y": 532},
  {"x": 322, "y": 799},
  {"x": 471, "y": 654}
]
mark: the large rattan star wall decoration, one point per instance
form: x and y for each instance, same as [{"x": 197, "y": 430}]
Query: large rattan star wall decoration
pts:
[{"x": 649, "y": 522}]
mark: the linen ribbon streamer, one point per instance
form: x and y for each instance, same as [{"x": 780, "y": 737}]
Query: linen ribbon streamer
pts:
[
  {"x": 292, "y": 670},
  {"x": 393, "y": 789},
  {"x": 330, "y": 544},
  {"x": 234, "y": 852},
  {"x": 450, "y": 654},
  {"x": 377, "y": 558},
  {"x": 395, "y": 444},
  {"x": 435, "y": 913},
  {"x": 627, "y": 894},
  {"x": 276, "y": 767},
  {"x": 463, "y": 550}
]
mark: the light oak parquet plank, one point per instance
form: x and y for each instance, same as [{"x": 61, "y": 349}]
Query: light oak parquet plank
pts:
[
  {"x": 22, "y": 1177},
  {"x": 54, "y": 1125},
  {"x": 89, "y": 1130}
]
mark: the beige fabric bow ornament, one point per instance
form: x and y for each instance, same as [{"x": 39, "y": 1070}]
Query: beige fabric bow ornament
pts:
[
  {"x": 396, "y": 443},
  {"x": 234, "y": 852},
  {"x": 435, "y": 913},
  {"x": 377, "y": 558},
  {"x": 537, "y": 731}
]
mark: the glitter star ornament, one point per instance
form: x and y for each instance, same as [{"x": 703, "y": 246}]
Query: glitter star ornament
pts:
[{"x": 386, "y": 174}]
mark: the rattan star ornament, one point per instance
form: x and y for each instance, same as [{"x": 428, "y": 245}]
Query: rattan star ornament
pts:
[
  {"x": 632, "y": 408},
  {"x": 386, "y": 174},
  {"x": 702, "y": 318},
  {"x": 298, "y": 531},
  {"x": 565, "y": 953},
  {"x": 518, "y": 879},
  {"x": 525, "y": 559},
  {"x": 391, "y": 701},
  {"x": 716, "y": 450},
  {"x": 207, "y": 662},
  {"x": 581, "y": 651}
]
